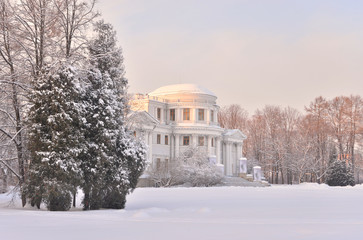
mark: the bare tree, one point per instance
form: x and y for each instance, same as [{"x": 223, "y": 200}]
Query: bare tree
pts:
[
  {"x": 33, "y": 34},
  {"x": 290, "y": 122},
  {"x": 292, "y": 147},
  {"x": 13, "y": 90},
  {"x": 354, "y": 115},
  {"x": 234, "y": 117},
  {"x": 74, "y": 16},
  {"x": 338, "y": 122},
  {"x": 319, "y": 131}
]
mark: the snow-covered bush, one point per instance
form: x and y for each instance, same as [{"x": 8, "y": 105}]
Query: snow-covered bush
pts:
[
  {"x": 164, "y": 175},
  {"x": 339, "y": 174},
  {"x": 58, "y": 199},
  {"x": 196, "y": 169},
  {"x": 191, "y": 167}
]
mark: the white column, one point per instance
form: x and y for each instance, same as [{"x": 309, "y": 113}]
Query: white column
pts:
[
  {"x": 194, "y": 140},
  {"x": 225, "y": 159},
  {"x": 171, "y": 145},
  {"x": 193, "y": 115},
  {"x": 146, "y": 137},
  {"x": 209, "y": 145},
  {"x": 218, "y": 150},
  {"x": 165, "y": 112},
  {"x": 236, "y": 159},
  {"x": 257, "y": 173},
  {"x": 231, "y": 159},
  {"x": 243, "y": 165},
  {"x": 228, "y": 159},
  {"x": 239, "y": 155},
  {"x": 176, "y": 152},
  {"x": 150, "y": 143}
]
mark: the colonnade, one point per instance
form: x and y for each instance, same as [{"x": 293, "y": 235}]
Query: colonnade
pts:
[{"x": 227, "y": 152}]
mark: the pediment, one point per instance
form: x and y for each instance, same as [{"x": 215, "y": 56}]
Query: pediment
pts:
[
  {"x": 138, "y": 119},
  {"x": 234, "y": 134}
]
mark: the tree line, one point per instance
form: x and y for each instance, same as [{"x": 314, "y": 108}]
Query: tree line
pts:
[
  {"x": 62, "y": 106},
  {"x": 294, "y": 147}
]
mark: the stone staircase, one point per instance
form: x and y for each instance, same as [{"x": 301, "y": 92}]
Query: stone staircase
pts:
[{"x": 241, "y": 182}]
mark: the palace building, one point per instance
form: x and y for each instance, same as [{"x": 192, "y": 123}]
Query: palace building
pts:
[{"x": 175, "y": 117}]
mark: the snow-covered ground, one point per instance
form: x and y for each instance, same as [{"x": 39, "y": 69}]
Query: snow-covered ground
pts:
[{"x": 307, "y": 211}]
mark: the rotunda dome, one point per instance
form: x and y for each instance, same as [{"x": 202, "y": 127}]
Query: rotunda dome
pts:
[{"x": 181, "y": 89}]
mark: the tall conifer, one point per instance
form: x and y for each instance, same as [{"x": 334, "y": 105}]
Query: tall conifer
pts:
[
  {"x": 54, "y": 139},
  {"x": 114, "y": 159}
]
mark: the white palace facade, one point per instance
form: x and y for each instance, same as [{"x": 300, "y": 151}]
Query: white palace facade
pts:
[{"x": 173, "y": 118}]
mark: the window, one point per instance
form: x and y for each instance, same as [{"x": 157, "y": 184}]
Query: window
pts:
[
  {"x": 200, "y": 114},
  {"x": 186, "y": 140},
  {"x": 211, "y": 115},
  {"x": 166, "y": 140},
  {"x": 212, "y": 142},
  {"x": 159, "y": 114},
  {"x": 172, "y": 114},
  {"x": 158, "y": 139},
  {"x": 186, "y": 114},
  {"x": 201, "y": 141}
]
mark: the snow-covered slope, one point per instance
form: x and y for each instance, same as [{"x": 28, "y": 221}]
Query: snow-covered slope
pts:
[{"x": 307, "y": 211}]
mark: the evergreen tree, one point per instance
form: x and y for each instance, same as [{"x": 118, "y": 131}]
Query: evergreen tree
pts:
[
  {"x": 107, "y": 57},
  {"x": 54, "y": 139},
  {"x": 130, "y": 162},
  {"x": 101, "y": 128},
  {"x": 333, "y": 155},
  {"x": 339, "y": 174},
  {"x": 113, "y": 160}
]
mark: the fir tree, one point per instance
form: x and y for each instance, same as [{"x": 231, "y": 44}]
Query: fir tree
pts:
[
  {"x": 340, "y": 174},
  {"x": 113, "y": 160},
  {"x": 54, "y": 139},
  {"x": 333, "y": 155},
  {"x": 101, "y": 128},
  {"x": 107, "y": 57}
]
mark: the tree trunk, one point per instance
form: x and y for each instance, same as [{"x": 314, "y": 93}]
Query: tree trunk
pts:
[
  {"x": 86, "y": 200},
  {"x": 282, "y": 176},
  {"x": 74, "y": 198},
  {"x": 19, "y": 140}
]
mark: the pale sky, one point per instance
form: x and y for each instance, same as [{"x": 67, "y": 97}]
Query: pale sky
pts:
[{"x": 248, "y": 52}]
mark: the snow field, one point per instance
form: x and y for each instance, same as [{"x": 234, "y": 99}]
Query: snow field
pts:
[{"x": 306, "y": 211}]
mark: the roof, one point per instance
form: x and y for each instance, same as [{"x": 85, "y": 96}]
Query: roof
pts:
[{"x": 181, "y": 88}]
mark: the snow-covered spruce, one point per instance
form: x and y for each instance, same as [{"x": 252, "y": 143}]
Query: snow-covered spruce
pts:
[
  {"x": 54, "y": 139},
  {"x": 340, "y": 174},
  {"x": 78, "y": 138},
  {"x": 113, "y": 160}
]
